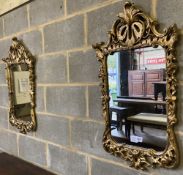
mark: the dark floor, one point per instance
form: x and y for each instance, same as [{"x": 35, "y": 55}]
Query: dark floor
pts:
[
  {"x": 10, "y": 165},
  {"x": 151, "y": 138}
]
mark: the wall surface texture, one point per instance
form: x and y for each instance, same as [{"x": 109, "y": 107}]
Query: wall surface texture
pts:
[{"x": 59, "y": 33}]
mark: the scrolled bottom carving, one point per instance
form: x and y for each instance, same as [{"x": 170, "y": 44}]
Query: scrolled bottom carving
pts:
[
  {"x": 140, "y": 158},
  {"x": 23, "y": 126}
]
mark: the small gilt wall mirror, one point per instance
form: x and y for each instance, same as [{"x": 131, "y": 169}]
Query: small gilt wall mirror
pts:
[
  {"x": 20, "y": 75},
  {"x": 138, "y": 85}
]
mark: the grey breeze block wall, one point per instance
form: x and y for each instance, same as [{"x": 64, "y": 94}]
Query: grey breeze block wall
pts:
[{"x": 59, "y": 33}]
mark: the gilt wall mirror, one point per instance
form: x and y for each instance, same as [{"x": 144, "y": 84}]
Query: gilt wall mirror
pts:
[
  {"x": 138, "y": 86},
  {"x": 20, "y": 75}
]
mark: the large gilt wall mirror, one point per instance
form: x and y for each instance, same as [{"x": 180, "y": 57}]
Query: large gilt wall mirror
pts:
[
  {"x": 20, "y": 75},
  {"x": 138, "y": 85}
]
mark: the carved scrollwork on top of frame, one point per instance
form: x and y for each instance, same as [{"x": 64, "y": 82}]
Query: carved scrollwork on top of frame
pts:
[
  {"x": 134, "y": 29},
  {"x": 18, "y": 53}
]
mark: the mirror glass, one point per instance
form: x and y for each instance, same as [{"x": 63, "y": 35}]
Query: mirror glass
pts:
[
  {"x": 137, "y": 90},
  {"x": 21, "y": 97}
]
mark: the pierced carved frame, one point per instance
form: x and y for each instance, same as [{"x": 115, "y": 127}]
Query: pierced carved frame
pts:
[
  {"x": 18, "y": 54},
  {"x": 134, "y": 29}
]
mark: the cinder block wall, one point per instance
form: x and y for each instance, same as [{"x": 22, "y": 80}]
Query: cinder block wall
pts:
[{"x": 59, "y": 33}]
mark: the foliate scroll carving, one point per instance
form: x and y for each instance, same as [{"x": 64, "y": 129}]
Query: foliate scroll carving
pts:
[
  {"x": 134, "y": 29},
  {"x": 18, "y": 54}
]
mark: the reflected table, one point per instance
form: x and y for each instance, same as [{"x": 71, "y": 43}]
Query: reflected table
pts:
[
  {"x": 139, "y": 101},
  {"x": 143, "y": 105},
  {"x": 159, "y": 87}
]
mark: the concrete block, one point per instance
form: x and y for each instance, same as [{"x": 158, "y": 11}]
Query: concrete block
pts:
[
  {"x": 8, "y": 142},
  {"x": 4, "y": 100},
  {"x": 104, "y": 168},
  {"x": 1, "y": 27},
  {"x": 42, "y": 11},
  {"x": 83, "y": 66},
  {"x": 78, "y": 5},
  {"x": 2, "y": 74},
  {"x": 66, "y": 101},
  {"x": 52, "y": 69},
  {"x": 100, "y": 21},
  {"x": 4, "y": 48},
  {"x": 64, "y": 35},
  {"x": 144, "y": 5},
  {"x": 53, "y": 129},
  {"x": 179, "y": 109},
  {"x": 33, "y": 41},
  {"x": 95, "y": 103},
  {"x": 4, "y": 118},
  {"x": 179, "y": 57},
  {"x": 87, "y": 136},
  {"x": 66, "y": 162},
  {"x": 40, "y": 102},
  {"x": 179, "y": 49},
  {"x": 32, "y": 150},
  {"x": 168, "y": 13},
  {"x": 16, "y": 20}
]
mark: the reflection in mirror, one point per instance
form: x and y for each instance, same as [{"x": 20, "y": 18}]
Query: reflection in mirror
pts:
[
  {"x": 137, "y": 90},
  {"x": 22, "y": 99},
  {"x": 21, "y": 85}
]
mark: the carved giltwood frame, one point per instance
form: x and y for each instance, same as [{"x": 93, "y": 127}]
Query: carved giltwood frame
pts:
[
  {"x": 134, "y": 29},
  {"x": 18, "y": 54}
]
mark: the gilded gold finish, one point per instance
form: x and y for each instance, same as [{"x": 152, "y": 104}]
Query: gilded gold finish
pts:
[
  {"x": 18, "y": 54},
  {"x": 134, "y": 29}
]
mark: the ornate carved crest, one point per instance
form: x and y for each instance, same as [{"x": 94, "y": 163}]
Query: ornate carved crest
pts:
[
  {"x": 18, "y": 55},
  {"x": 134, "y": 29}
]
